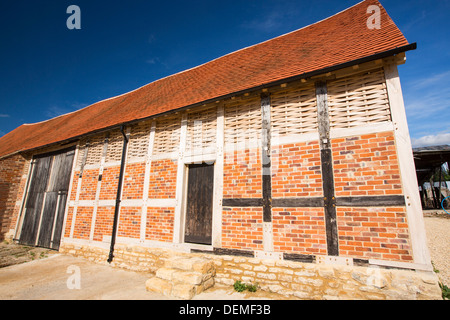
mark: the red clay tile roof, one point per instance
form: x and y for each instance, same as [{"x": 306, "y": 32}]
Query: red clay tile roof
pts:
[{"x": 339, "y": 39}]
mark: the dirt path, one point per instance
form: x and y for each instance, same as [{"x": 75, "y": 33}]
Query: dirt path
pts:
[
  {"x": 438, "y": 235},
  {"x": 11, "y": 254}
]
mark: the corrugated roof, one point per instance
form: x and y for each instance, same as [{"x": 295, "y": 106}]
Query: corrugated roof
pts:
[{"x": 339, "y": 39}]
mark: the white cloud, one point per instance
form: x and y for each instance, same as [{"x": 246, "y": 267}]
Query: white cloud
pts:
[
  {"x": 56, "y": 111},
  {"x": 2, "y": 115},
  {"x": 431, "y": 140},
  {"x": 152, "y": 60}
]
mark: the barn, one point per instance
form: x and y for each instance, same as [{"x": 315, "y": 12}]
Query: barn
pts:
[{"x": 294, "y": 150}]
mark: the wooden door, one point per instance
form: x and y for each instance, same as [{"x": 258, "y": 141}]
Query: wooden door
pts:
[
  {"x": 46, "y": 200},
  {"x": 199, "y": 206}
]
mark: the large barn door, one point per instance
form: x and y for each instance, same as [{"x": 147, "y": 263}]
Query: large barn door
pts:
[
  {"x": 199, "y": 208},
  {"x": 46, "y": 200}
]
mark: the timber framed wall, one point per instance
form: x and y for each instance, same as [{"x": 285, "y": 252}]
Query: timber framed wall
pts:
[{"x": 307, "y": 169}]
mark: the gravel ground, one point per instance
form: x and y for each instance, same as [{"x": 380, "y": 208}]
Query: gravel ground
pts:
[{"x": 438, "y": 234}]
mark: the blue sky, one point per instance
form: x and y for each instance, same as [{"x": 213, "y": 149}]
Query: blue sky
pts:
[{"x": 47, "y": 70}]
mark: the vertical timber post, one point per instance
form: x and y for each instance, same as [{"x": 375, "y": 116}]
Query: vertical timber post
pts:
[
  {"x": 266, "y": 173},
  {"x": 327, "y": 169}
]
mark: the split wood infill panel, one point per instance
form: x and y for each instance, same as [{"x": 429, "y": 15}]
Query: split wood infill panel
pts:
[
  {"x": 167, "y": 134},
  {"x": 358, "y": 100},
  {"x": 242, "y": 121},
  {"x": 294, "y": 110},
  {"x": 201, "y": 131},
  {"x": 139, "y": 140}
]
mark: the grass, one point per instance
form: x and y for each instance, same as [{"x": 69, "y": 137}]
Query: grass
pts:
[
  {"x": 445, "y": 290},
  {"x": 240, "y": 287}
]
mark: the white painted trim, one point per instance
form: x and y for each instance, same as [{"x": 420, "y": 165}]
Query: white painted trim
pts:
[
  {"x": 403, "y": 265},
  {"x": 132, "y": 203},
  {"x": 92, "y": 166},
  {"x": 178, "y": 219},
  {"x": 209, "y": 158},
  {"x": 218, "y": 179},
  {"x": 164, "y": 156},
  {"x": 136, "y": 160},
  {"x": 362, "y": 130},
  {"x": 268, "y": 237},
  {"x": 414, "y": 213},
  {"x": 243, "y": 145},
  {"x": 277, "y": 140},
  {"x": 111, "y": 164},
  {"x": 162, "y": 203},
  {"x": 85, "y": 203}
]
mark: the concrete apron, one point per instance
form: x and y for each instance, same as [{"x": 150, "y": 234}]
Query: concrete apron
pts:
[{"x": 56, "y": 278}]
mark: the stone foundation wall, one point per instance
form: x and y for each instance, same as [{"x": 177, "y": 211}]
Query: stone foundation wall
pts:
[{"x": 312, "y": 281}]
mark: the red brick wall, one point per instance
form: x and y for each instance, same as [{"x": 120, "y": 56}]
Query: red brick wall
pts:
[
  {"x": 163, "y": 179},
  {"x": 374, "y": 233},
  {"x": 12, "y": 185},
  {"x": 89, "y": 184},
  {"x": 160, "y": 222},
  {"x": 73, "y": 191},
  {"x": 242, "y": 228},
  {"x": 129, "y": 222},
  {"x": 68, "y": 225},
  {"x": 366, "y": 165},
  {"x": 133, "y": 183},
  {"x": 83, "y": 222},
  {"x": 242, "y": 174},
  {"x": 299, "y": 230},
  {"x": 103, "y": 222},
  {"x": 296, "y": 170},
  {"x": 110, "y": 181}
]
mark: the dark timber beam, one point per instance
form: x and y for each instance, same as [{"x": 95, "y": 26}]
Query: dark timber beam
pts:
[
  {"x": 266, "y": 160},
  {"x": 327, "y": 168}
]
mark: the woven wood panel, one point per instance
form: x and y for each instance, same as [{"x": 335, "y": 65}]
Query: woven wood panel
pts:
[
  {"x": 358, "y": 100},
  {"x": 95, "y": 150},
  {"x": 115, "y": 146},
  {"x": 139, "y": 138},
  {"x": 167, "y": 134},
  {"x": 81, "y": 152},
  {"x": 294, "y": 110},
  {"x": 201, "y": 131},
  {"x": 242, "y": 120}
]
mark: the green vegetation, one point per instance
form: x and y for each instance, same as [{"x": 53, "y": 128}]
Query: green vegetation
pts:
[
  {"x": 240, "y": 287},
  {"x": 445, "y": 290}
]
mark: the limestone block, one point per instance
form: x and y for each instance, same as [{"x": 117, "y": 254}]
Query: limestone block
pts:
[
  {"x": 165, "y": 273},
  {"x": 159, "y": 286},
  {"x": 194, "y": 278},
  {"x": 183, "y": 291}
]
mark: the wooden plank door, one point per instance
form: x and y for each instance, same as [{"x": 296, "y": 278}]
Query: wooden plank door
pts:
[
  {"x": 45, "y": 218},
  {"x": 199, "y": 206},
  {"x": 55, "y": 201},
  {"x": 35, "y": 199}
]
